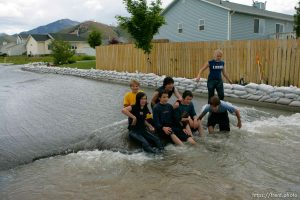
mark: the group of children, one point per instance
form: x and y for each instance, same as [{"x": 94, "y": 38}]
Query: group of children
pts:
[{"x": 176, "y": 123}]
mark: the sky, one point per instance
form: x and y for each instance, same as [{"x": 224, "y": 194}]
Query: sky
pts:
[{"x": 19, "y": 15}]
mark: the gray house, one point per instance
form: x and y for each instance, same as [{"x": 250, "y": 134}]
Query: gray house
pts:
[{"x": 206, "y": 20}]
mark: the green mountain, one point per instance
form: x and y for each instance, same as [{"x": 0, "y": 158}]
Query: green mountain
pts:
[
  {"x": 7, "y": 38},
  {"x": 108, "y": 32}
]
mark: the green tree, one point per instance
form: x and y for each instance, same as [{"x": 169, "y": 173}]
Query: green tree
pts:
[
  {"x": 297, "y": 20},
  {"x": 144, "y": 22},
  {"x": 95, "y": 38},
  {"x": 61, "y": 52}
]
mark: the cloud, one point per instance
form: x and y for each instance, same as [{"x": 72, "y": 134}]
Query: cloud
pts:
[{"x": 20, "y": 15}]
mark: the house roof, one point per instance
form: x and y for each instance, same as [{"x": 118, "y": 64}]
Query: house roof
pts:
[
  {"x": 40, "y": 38},
  {"x": 240, "y": 8},
  {"x": 23, "y": 35},
  {"x": 66, "y": 37}
]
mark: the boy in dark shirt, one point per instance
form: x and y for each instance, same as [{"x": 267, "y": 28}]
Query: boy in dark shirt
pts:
[
  {"x": 185, "y": 112},
  {"x": 168, "y": 85},
  {"x": 165, "y": 122}
]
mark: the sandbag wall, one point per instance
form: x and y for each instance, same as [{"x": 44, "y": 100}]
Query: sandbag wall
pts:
[{"x": 257, "y": 92}]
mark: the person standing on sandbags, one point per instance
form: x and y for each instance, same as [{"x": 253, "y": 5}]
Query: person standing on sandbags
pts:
[{"x": 216, "y": 69}]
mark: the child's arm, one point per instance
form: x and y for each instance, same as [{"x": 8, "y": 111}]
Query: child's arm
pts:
[
  {"x": 126, "y": 101},
  {"x": 126, "y": 111},
  {"x": 177, "y": 94},
  {"x": 238, "y": 116},
  {"x": 151, "y": 128},
  {"x": 154, "y": 98},
  {"x": 201, "y": 71},
  {"x": 226, "y": 75}
]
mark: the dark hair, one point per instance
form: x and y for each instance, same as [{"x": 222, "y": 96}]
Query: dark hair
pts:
[
  {"x": 138, "y": 98},
  {"x": 187, "y": 93},
  {"x": 168, "y": 80},
  {"x": 214, "y": 101},
  {"x": 163, "y": 92}
]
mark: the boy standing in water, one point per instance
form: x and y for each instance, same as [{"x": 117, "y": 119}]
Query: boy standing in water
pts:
[
  {"x": 137, "y": 124},
  {"x": 168, "y": 85},
  {"x": 219, "y": 115},
  {"x": 166, "y": 124},
  {"x": 214, "y": 81},
  {"x": 185, "y": 112}
]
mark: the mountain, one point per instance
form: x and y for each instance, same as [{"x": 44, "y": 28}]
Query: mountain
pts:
[
  {"x": 85, "y": 28},
  {"x": 52, "y": 27},
  {"x": 7, "y": 38}
]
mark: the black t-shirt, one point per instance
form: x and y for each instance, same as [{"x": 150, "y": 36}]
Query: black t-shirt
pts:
[
  {"x": 162, "y": 88},
  {"x": 140, "y": 115}
]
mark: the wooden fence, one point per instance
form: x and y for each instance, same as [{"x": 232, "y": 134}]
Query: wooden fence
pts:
[{"x": 279, "y": 60}]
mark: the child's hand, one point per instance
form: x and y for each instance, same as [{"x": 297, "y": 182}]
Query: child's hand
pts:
[
  {"x": 176, "y": 104},
  {"x": 151, "y": 128},
  {"x": 167, "y": 130},
  {"x": 186, "y": 131}
]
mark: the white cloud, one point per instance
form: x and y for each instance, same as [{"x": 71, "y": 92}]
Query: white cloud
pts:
[{"x": 20, "y": 15}]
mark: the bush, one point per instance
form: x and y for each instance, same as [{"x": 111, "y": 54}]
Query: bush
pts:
[{"x": 61, "y": 52}]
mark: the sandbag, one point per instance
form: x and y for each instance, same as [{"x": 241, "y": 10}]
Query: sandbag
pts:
[
  {"x": 295, "y": 103},
  {"x": 284, "y": 101}
]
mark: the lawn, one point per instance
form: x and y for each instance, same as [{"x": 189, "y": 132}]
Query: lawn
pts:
[
  {"x": 17, "y": 60},
  {"x": 82, "y": 65},
  {"x": 82, "y": 62}
]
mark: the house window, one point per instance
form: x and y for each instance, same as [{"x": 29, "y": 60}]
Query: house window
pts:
[
  {"x": 259, "y": 26},
  {"x": 201, "y": 24},
  {"x": 180, "y": 29},
  {"x": 279, "y": 28}
]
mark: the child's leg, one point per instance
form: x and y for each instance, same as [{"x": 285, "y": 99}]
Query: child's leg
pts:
[
  {"x": 191, "y": 141},
  {"x": 153, "y": 138},
  {"x": 188, "y": 128},
  {"x": 200, "y": 128},
  {"x": 220, "y": 89},
  {"x": 175, "y": 139},
  {"x": 211, "y": 88},
  {"x": 210, "y": 129},
  {"x": 224, "y": 122},
  {"x": 140, "y": 139}
]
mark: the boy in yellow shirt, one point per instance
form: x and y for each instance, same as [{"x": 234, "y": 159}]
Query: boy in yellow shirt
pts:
[{"x": 129, "y": 98}]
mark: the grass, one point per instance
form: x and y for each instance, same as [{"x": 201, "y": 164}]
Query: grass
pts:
[
  {"x": 81, "y": 65},
  {"x": 88, "y": 62},
  {"x": 18, "y": 60}
]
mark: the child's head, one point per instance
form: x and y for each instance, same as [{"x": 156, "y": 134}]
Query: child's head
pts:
[
  {"x": 141, "y": 99},
  {"x": 187, "y": 97},
  {"x": 168, "y": 83},
  {"x": 214, "y": 103},
  {"x": 163, "y": 97},
  {"x": 218, "y": 55},
  {"x": 135, "y": 86}
]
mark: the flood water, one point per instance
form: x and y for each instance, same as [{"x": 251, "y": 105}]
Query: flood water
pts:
[{"x": 64, "y": 137}]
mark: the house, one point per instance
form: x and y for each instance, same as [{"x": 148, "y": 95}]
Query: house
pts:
[
  {"x": 207, "y": 20},
  {"x": 12, "y": 49},
  {"x": 15, "y": 48},
  {"x": 38, "y": 44}
]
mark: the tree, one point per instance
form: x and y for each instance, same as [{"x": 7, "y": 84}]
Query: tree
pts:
[
  {"x": 297, "y": 20},
  {"x": 61, "y": 51},
  {"x": 95, "y": 38},
  {"x": 144, "y": 22}
]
